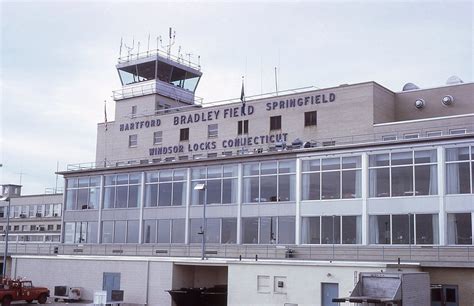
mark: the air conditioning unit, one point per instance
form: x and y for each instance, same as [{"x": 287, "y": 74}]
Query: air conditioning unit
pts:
[{"x": 67, "y": 293}]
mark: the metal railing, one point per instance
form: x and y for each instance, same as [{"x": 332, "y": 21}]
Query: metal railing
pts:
[
  {"x": 319, "y": 144},
  {"x": 422, "y": 254},
  {"x": 157, "y": 52}
]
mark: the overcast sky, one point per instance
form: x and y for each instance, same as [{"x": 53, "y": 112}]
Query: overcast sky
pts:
[{"x": 58, "y": 60}]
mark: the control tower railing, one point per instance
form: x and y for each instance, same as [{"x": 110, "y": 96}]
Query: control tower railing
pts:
[{"x": 158, "y": 52}]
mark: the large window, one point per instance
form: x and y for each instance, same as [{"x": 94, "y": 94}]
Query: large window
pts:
[
  {"x": 82, "y": 193},
  {"x": 331, "y": 229},
  {"x": 242, "y": 127},
  {"x": 460, "y": 228},
  {"x": 268, "y": 230},
  {"x": 404, "y": 229},
  {"x": 331, "y": 178},
  {"x": 166, "y": 188},
  {"x": 270, "y": 181},
  {"x": 275, "y": 123},
  {"x": 80, "y": 232},
  {"x": 122, "y": 190},
  {"x": 120, "y": 231},
  {"x": 221, "y": 184},
  {"x": 408, "y": 173},
  {"x": 310, "y": 118},
  {"x": 460, "y": 170},
  {"x": 163, "y": 231}
]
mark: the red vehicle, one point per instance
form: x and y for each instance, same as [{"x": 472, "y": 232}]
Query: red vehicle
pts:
[{"x": 21, "y": 290}]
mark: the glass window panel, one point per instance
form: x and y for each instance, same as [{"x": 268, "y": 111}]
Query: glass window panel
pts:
[
  {"x": 132, "y": 232},
  {"x": 164, "y": 231},
  {"x": 166, "y": 175},
  {"x": 133, "y": 195},
  {"x": 213, "y": 230},
  {"x": 351, "y": 230},
  {"x": 92, "y": 232},
  {"x": 268, "y": 230},
  {"x": 379, "y": 160},
  {"x": 286, "y": 187},
  {"x": 310, "y": 230},
  {"x": 287, "y": 166},
  {"x": 71, "y": 182},
  {"x": 120, "y": 231},
  {"x": 380, "y": 229},
  {"x": 229, "y": 230},
  {"x": 423, "y": 157},
  {"x": 122, "y": 196},
  {"x": 453, "y": 154},
  {"x": 250, "y": 230},
  {"x": 458, "y": 178},
  {"x": 402, "y": 181},
  {"x": 229, "y": 191},
  {"x": 152, "y": 177},
  {"x": 311, "y": 165},
  {"x": 402, "y": 158},
  {"x": 110, "y": 180},
  {"x": 230, "y": 170},
  {"x": 164, "y": 194},
  {"x": 71, "y": 199},
  {"x": 268, "y": 189},
  {"x": 251, "y": 169},
  {"x": 251, "y": 190},
  {"x": 199, "y": 173},
  {"x": 151, "y": 195},
  {"x": 179, "y": 175},
  {"x": 426, "y": 180},
  {"x": 107, "y": 231},
  {"x": 214, "y": 172},
  {"x": 177, "y": 234},
  {"x": 311, "y": 186},
  {"x": 331, "y": 163},
  {"x": 135, "y": 178},
  {"x": 331, "y": 185},
  {"x": 331, "y": 230},
  {"x": 81, "y": 232},
  {"x": 351, "y": 162},
  {"x": 69, "y": 232},
  {"x": 426, "y": 229},
  {"x": 179, "y": 193},
  {"x": 94, "y": 181},
  {"x": 268, "y": 168},
  {"x": 197, "y": 195},
  {"x": 82, "y": 198},
  {"x": 400, "y": 232},
  {"x": 351, "y": 184},
  {"x": 286, "y": 230},
  {"x": 379, "y": 182},
  {"x": 460, "y": 228},
  {"x": 214, "y": 191},
  {"x": 94, "y": 197},
  {"x": 122, "y": 179},
  {"x": 149, "y": 231},
  {"x": 83, "y": 182},
  {"x": 195, "y": 227}
]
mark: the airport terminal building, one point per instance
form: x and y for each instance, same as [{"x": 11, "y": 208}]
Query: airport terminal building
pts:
[{"x": 356, "y": 174}]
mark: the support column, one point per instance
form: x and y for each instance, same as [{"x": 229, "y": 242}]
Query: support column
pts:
[
  {"x": 443, "y": 233},
  {"x": 365, "y": 195},
  {"x": 189, "y": 189},
  {"x": 298, "y": 202},
  {"x": 141, "y": 205},
  {"x": 239, "y": 202},
  {"x": 101, "y": 207}
]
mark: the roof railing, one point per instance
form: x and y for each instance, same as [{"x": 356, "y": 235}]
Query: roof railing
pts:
[{"x": 161, "y": 53}]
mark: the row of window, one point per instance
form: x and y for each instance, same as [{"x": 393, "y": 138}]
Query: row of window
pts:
[
  {"x": 32, "y": 238},
  {"x": 417, "y": 229},
  {"x": 457, "y": 131},
  {"x": 32, "y": 211},
  {"x": 31, "y": 228},
  {"x": 310, "y": 119},
  {"x": 391, "y": 174}
]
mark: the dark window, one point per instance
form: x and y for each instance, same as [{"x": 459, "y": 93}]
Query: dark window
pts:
[
  {"x": 275, "y": 123},
  {"x": 310, "y": 118},
  {"x": 184, "y": 134},
  {"x": 242, "y": 127}
]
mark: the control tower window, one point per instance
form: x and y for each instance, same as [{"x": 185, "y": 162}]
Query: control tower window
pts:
[{"x": 137, "y": 73}]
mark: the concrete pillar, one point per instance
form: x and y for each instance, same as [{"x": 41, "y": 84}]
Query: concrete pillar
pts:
[
  {"x": 239, "y": 202},
  {"x": 443, "y": 233},
  {"x": 189, "y": 189},
  {"x": 298, "y": 202},
  {"x": 365, "y": 195},
  {"x": 101, "y": 207},
  {"x": 141, "y": 205}
]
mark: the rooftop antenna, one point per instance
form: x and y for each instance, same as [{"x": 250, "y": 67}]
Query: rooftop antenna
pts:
[
  {"x": 276, "y": 81},
  {"x": 57, "y": 170},
  {"x": 121, "y": 43},
  {"x": 129, "y": 49},
  {"x": 172, "y": 36},
  {"x": 138, "y": 50},
  {"x": 189, "y": 57},
  {"x": 180, "y": 56},
  {"x": 148, "y": 46},
  {"x": 21, "y": 175}
]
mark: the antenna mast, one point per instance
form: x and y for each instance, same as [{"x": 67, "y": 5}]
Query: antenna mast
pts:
[{"x": 276, "y": 81}]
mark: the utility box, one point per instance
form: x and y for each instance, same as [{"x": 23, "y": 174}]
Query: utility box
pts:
[{"x": 407, "y": 289}]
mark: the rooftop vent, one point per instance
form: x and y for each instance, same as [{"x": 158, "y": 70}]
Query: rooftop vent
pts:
[
  {"x": 454, "y": 79},
  {"x": 409, "y": 86}
]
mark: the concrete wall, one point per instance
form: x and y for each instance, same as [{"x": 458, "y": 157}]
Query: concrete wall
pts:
[{"x": 461, "y": 277}]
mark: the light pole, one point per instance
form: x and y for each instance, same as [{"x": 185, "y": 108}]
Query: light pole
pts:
[
  {"x": 7, "y": 230},
  {"x": 202, "y": 188}
]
